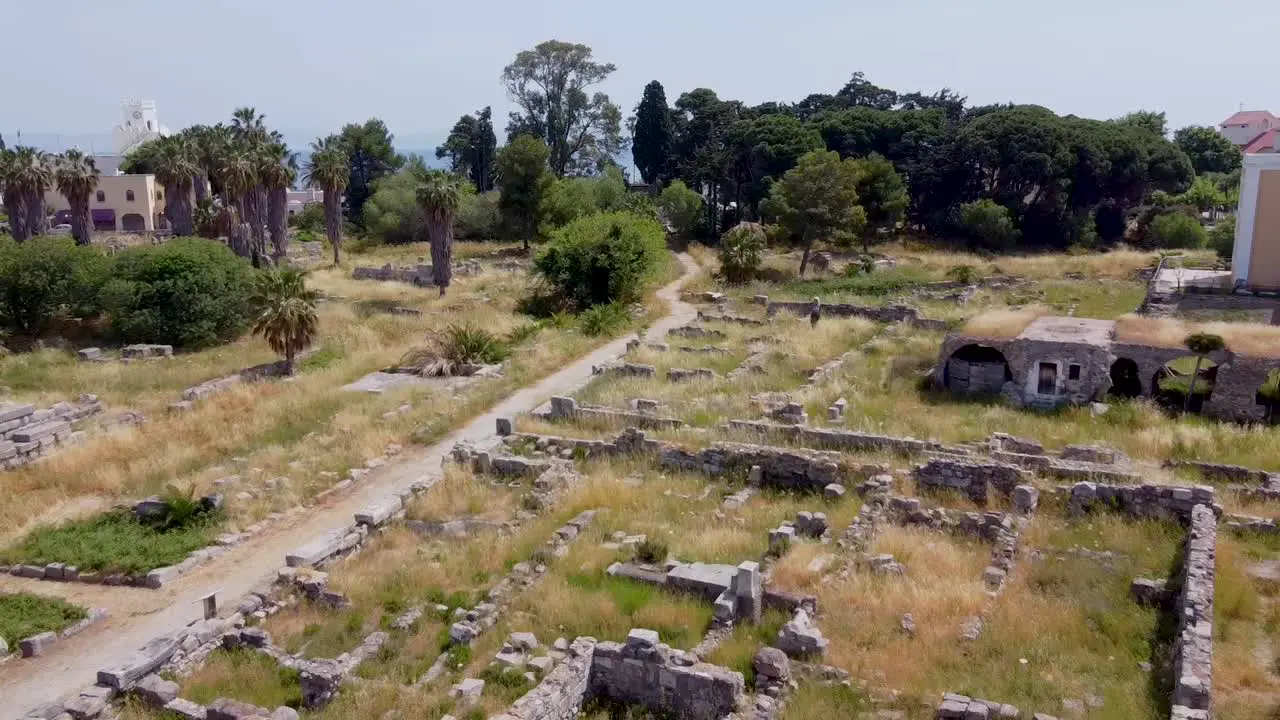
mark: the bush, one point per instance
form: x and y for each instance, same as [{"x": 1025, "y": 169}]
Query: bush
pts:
[
  {"x": 741, "y": 251},
  {"x": 1177, "y": 230},
  {"x": 310, "y": 218},
  {"x": 188, "y": 293},
  {"x": 603, "y": 320},
  {"x": 47, "y": 278},
  {"x": 471, "y": 344},
  {"x": 478, "y": 217},
  {"x": 987, "y": 224},
  {"x": 603, "y": 258},
  {"x": 392, "y": 214},
  {"x": 1222, "y": 238},
  {"x": 682, "y": 207},
  {"x": 966, "y": 274},
  {"x": 652, "y": 551}
]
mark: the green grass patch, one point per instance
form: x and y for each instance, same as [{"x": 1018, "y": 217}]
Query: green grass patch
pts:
[
  {"x": 326, "y": 356},
  {"x": 23, "y": 615},
  {"x": 245, "y": 675},
  {"x": 630, "y": 598},
  {"x": 882, "y": 282},
  {"x": 822, "y": 702},
  {"x": 113, "y": 542},
  {"x": 737, "y": 651}
]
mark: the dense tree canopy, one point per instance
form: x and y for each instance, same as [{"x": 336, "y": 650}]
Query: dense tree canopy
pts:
[
  {"x": 472, "y": 149},
  {"x": 1208, "y": 149},
  {"x": 371, "y": 157},
  {"x": 550, "y": 85},
  {"x": 653, "y": 134}
]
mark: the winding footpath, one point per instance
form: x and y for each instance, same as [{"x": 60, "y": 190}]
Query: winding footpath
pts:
[{"x": 138, "y": 615}]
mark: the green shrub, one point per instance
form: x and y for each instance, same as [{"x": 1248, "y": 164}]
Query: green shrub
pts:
[
  {"x": 682, "y": 207},
  {"x": 966, "y": 274},
  {"x": 46, "y": 279},
  {"x": 603, "y": 320},
  {"x": 1222, "y": 238},
  {"x": 23, "y": 615},
  {"x": 523, "y": 332},
  {"x": 188, "y": 292},
  {"x": 392, "y": 214},
  {"x": 309, "y": 218},
  {"x": 468, "y": 343},
  {"x": 652, "y": 551},
  {"x": 1177, "y": 230},
  {"x": 741, "y": 252},
  {"x": 602, "y": 258},
  {"x": 478, "y": 217},
  {"x": 987, "y": 224}
]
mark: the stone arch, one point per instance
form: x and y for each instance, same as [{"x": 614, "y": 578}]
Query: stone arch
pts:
[
  {"x": 133, "y": 222},
  {"x": 976, "y": 369},
  {"x": 1126, "y": 378}
]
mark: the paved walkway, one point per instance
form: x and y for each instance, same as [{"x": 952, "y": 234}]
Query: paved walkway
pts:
[{"x": 73, "y": 663}]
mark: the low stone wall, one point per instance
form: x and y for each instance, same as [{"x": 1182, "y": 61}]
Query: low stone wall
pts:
[
  {"x": 624, "y": 369},
  {"x": 247, "y": 375},
  {"x": 27, "y": 434},
  {"x": 419, "y": 274},
  {"x": 732, "y": 319},
  {"x": 805, "y": 470},
  {"x": 955, "y": 706},
  {"x": 668, "y": 682},
  {"x": 562, "y": 692},
  {"x": 1162, "y": 502},
  {"x": 1050, "y": 466},
  {"x": 566, "y": 408},
  {"x": 973, "y": 479},
  {"x": 1224, "y": 473},
  {"x": 1251, "y": 524},
  {"x": 883, "y": 314},
  {"x": 836, "y": 439},
  {"x": 36, "y": 645},
  {"x": 1193, "y": 648}
]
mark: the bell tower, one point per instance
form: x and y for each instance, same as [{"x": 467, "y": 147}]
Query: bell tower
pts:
[{"x": 139, "y": 122}]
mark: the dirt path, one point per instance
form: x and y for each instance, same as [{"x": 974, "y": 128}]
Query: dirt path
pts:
[{"x": 138, "y": 615}]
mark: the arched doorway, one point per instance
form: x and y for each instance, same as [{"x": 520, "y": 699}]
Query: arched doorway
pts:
[
  {"x": 133, "y": 222},
  {"x": 1172, "y": 383},
  {"x": 976, "y": 370},
  {"x": 1126, "y": 381}
]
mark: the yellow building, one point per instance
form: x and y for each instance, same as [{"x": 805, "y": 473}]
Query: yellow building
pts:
[
  {"x": 122, "y": 203},
  {"x": 1255, "y": 261}
]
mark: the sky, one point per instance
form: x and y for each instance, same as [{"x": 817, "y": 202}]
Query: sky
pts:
[{"x": 313, "y": 66}]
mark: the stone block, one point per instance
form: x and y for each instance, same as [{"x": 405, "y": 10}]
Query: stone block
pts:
[
  {"x": 503, "y": 426},
  {"x": 15, "y": 411},
  {"x": 156, "y": 691},
  {"x": 39, "y": 431},
  {"x": 523, "y": 641},
  {"x": 89, "y": 354},
  {"x": 185, "y": 709},
  {"x": 377, "y": 513},
  {"x": 37, "y": 645},
  {"x": 283, "y": 713},
  {"x": 317, "y": 549},
  {"x": 159, "y": 577},
  {"x": 230, "y": 709},
  {"x": 772, "y": 663},
  {"x": 834, "y": 491},
  {"x": 85, "y": 707},
  {"x": 641, "y": 638}
]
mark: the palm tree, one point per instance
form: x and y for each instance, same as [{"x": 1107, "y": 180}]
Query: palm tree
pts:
[
  {"x": 15, "y": 206},
  {"x": 176, "y": 169},
  {"x": 285, "y": 313},
  {"x": 328, "y": 170},
  {"x": 1201, "y": 344},
  {"x": 30, "y": 174},
  {"x": 239, "y": 173},
  {"x": 278, "y": 173},
  {"x": 77, "y": 178},
  {"x": 439, "y": 195}
]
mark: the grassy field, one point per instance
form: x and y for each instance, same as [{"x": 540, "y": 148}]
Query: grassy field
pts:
[
  {"x": 110, "y": 543},
  {"x": 280, "y": 442},
  {"x": 23, "y": 615}
]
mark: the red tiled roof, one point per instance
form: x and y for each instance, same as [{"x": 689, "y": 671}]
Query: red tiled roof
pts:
[
  {"x": 1248, "y": 117},
  {"x": 1265, "y": 142}
]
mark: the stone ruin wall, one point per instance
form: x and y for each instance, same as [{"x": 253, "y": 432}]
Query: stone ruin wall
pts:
[
  {"x": 27, "y": 434},
  {"x": 1238, "y": 377},
  {"x": 974, "y": 479},
  {"x": 1160, "y": 502},
  {"x": 1193, "y": 648}
]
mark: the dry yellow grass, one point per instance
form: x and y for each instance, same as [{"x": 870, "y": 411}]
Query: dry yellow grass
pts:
[
  {"x": 1004, "y": 324},
  {"x": 1244, "y": 338}
]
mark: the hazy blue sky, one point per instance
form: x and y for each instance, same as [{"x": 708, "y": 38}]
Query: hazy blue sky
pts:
[{"x": 311, "y": 66}]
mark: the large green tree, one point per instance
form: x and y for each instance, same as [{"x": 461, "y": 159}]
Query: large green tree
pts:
[
  {"x": 653, "y": 135},
  {"x": 550, "y": 85},
  {"x": 883, "y": 195},
  {"x": 472, "y": 149},
  {"x": 703, "y": 155},
  {"x": 1208, "y": 149},
  {"x": 818, "y": 200},
  {"x": 371, "y": 156},
  {"x": 524, "y": 181},
  {"x": 762, "y": 150}
]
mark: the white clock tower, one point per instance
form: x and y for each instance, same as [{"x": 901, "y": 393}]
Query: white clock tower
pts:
[{"x": 140, "y": 123}]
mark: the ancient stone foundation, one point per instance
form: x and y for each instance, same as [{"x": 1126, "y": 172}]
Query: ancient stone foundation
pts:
[
  {"x": 566, "y": 408},
  {"x": 973, "y": 479},
  {"x": 1193, "y": 649},
  {"x": 1162, "y": 502},
  {"x": 27, "y": 434}
]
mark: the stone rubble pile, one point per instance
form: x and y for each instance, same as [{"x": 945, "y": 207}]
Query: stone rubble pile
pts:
[{"x": 27, "y": 434}]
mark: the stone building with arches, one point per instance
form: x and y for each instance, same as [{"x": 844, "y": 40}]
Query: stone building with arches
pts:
[
  {"x": 1066, "y": 360},
  {"x": 122, "y": 203}
]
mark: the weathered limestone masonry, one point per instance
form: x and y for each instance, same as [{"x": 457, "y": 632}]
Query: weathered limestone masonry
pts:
[
  {"x": 669, "y": 682},
  {"x": 971, "y": 478},
  {"x": 255, "y": 373},
  {"x": 641, "y": 672},
  {"x": 885, "y": 314},
  {"x": 836, "y": 439},
  {"x": 1193, "y": 649},
  {"x": 961, "y": 707},
  {"x": 1164, "y": 502},
  {"x": 1225, "y": 473},
  {"x": 27, "y": 434},
  {"x": 805, "y": 470},
  {"x": 1075, "y": 462},
  {"x": 693, "y": 331},
  {"x": 1251, "y": 524},
  {"x": 419, "y": 274},
  {"x": 733, "y": 319},
  {"x": 624, "y": 369},
  {"x": 1023, "y": 375},
  {"x": 333, "y": 544},
  {"x": 566, "y": 408}
]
